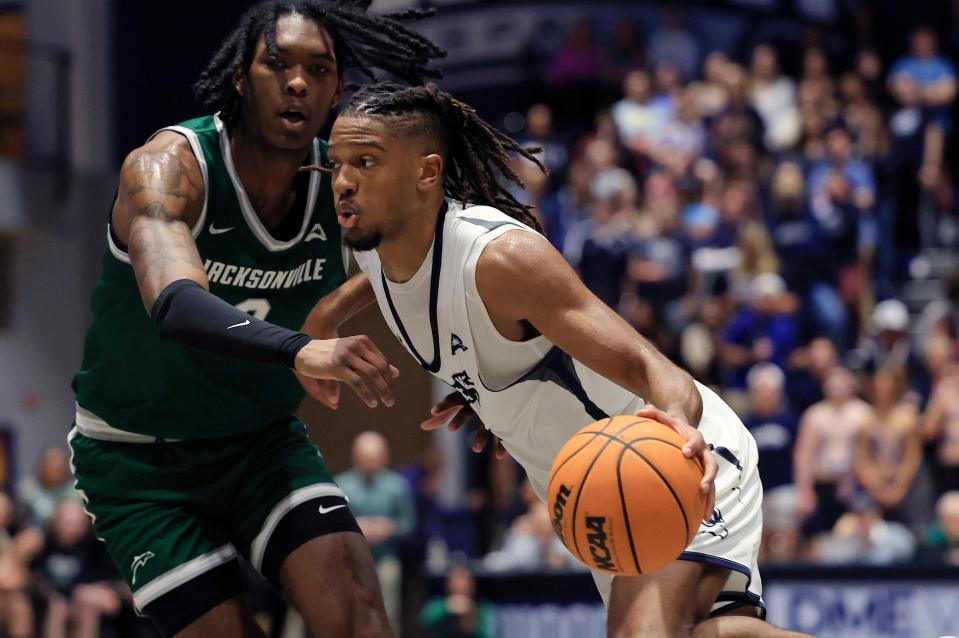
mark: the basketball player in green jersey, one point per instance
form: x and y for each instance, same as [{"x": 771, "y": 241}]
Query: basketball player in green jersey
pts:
[{"x": 184, "y": 446}]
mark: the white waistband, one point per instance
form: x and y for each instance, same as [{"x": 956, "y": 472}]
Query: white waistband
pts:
[{"x": 92, "y": 426}]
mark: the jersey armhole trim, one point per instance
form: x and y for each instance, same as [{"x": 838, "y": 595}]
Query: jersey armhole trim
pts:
[{"x": 194, "y": 141}]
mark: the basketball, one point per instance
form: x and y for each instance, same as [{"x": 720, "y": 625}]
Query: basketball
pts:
[{"x": 623, "y": 498}]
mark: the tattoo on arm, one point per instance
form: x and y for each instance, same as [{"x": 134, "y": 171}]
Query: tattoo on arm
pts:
[{"x": 161, "y": 199}]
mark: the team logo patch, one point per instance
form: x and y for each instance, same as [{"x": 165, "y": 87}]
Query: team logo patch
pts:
[
  {"x": 457, "y": 344},
  {"x": 317, "y": 232},
  {"x": 465, "y": 386},
  {"x": 138, "y": 562}
]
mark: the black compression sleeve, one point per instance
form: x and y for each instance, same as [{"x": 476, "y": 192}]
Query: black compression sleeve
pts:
[{"x": 187, "y": 314}]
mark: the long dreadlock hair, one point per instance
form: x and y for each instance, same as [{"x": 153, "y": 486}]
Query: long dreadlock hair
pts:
[
  {"x": 476, "y": 154},
  {"x": 361, "y": 40}
]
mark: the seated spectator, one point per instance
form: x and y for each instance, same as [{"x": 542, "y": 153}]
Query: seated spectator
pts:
[
  {"x": 941, "y": 540},
  {"x": 888, "y": 452},
  {"x": 934, "y": 74},
  {"x": 83, "y": 585},
  {"x": 759, "y": 332},
  {"x": 52, "y": 484},
  {"x": 710, "y": 92},
  {"x": 598, "y": 247},
  {"x": 808, "y": 264},
  {"x": 539, "y": 132},
  {"x": 774, "y": 98},
  {"x": 941, "y": 426},
  {"x": 626, "y": 49},
  {"x": 637, "y": 118},
  {"x": 861, "y": 536},
  {"x": 681, "y": 138},
  {"x": 673, "y": 43},
  {"x": 570, "y": 205},
  {"x": 531, "y": 542},
  {"x": 381, "y": 501},
  {"x": 16, "y": 612},
  {"x": 458, "y": 613},
  {"x": 825, "y": 453},
  {"x": 807, "y": 373},
  {"x": 888, "y": 343},
  {"x": 863, "y": 116},
  {"x": 772, "y": 424},
  {"x": 841, "y": 188}
]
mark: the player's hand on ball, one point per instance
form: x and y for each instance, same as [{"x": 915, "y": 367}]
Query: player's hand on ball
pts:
[
  {"x": 454, "y": 412},
  {"x": 356, "y": 361},
  {"x": 695, "y": 447}
]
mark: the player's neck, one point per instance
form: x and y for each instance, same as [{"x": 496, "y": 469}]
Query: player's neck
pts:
[
  {"x": 267, "y": 175},
  {"x": 403, "y": 254}
]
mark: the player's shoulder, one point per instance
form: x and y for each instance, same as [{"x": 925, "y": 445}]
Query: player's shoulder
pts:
[{"x": 167, "y": 150}]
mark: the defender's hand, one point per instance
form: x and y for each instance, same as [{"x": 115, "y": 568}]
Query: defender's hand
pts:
[
  {"x": 455, "y": 412},
  {"x": 356, "y": 361},
  {"x": 695, "y": 447}
]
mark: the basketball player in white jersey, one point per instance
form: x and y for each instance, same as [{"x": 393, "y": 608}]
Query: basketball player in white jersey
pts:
[{"x": 484, "y": 302}]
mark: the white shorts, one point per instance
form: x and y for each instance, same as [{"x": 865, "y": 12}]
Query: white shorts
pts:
[{"x": 732, "y": 537}]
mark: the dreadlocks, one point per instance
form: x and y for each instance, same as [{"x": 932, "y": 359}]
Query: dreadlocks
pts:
[
  {"x": 475, "y": 152},
  {"x": 361, "y": 40}
]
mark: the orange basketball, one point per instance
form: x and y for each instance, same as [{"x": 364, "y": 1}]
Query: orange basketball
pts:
[{"x": 622, "y": 496}]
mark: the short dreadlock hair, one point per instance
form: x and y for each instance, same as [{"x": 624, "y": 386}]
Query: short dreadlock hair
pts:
[
  {"x": 361, "y": 40},
  {"x": 476, "y": 154}
]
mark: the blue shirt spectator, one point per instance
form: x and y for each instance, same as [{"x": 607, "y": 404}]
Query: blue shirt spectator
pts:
[{"x": 772, "y": 424}]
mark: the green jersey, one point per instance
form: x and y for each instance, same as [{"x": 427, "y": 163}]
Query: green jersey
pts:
[{"x": 134, "y": 381}]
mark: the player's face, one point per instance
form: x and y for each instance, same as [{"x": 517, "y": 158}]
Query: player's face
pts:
[
  {"x": 287, "y": 97},
  {"x": 374, "y": 179}
]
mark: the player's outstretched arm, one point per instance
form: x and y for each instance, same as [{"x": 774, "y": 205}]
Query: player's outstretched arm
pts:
[
  {"x": 159, "y": 199},
  {"x": 523, "y": 279}
]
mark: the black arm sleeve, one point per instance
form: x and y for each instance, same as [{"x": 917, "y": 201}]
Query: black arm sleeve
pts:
[{"x": 189, "y": 315}]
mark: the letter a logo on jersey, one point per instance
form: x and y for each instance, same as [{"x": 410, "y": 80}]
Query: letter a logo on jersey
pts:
[
  {"x": 316, "y": 233},
  {"x": 457, "y": 344}
]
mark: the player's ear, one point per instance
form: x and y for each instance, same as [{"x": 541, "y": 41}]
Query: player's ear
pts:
[
  {"x": 239, "y": 81},
  {"x": 431, "y": 172}
]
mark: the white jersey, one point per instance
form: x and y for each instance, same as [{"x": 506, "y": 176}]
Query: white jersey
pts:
[{"x": 530, "y": 394}]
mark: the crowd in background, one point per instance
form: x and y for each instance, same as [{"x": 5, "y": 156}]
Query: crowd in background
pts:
[{"x": 763, "y": 229}]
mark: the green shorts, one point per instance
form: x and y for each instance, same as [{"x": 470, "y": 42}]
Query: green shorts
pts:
[{"x": 175, "y": 513}]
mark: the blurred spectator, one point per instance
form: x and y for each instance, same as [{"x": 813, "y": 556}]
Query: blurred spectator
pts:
[
  {"x": 710, "y": 93},
  {"x": 807, "y": 373},
  {"x": 539, "y": 132},
  {"x": 84, "y": 588},
  {"x": 942, "y": 538},
  {"x": 673, "y": 43},
  {"x": 381, "y": 501},
  {"x": 840, "y": 188},
  {"x": 889, "y": 451},
  {"x": 626, "y": 49},
  {"x": 530, "y": 543},
  {"x": 52, "y": 484},
  {"x": 868, "y": 67},
  {"x": 568, "y": 206},
  {"x": 658, "y": 268},
  {"x": 458, "y": 614},
  {"x": 774, "y": 98},
  {"x": 825, "y": 452},
  {"x": 808, "y": 265},
  {"x": 575, "y": 73},
  {"x": 736, "y": 124},
  {"x": 772, "y": 424},
  {"x": 598, "y": 247},
  {"x": 862, "y": 536},
  {"x": 759, "y": 332},
  {"x": 933, "y": 74},
  {"x": 914, "y": 169},
  {"x": 941, "y": 425},
  {"x": 16, "y": 549},
  {"x": 941, "y": 316},
  {"x": 681, "y": 139},
  {"x": 863, "y": 116},
  {"x": 637, "y": 118},
  {"x": 888, "y": 343}
]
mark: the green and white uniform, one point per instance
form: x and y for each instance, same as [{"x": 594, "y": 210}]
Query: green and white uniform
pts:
[{"x": 187, "y": 458}]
